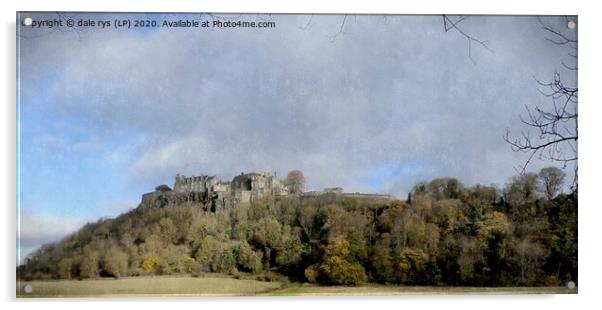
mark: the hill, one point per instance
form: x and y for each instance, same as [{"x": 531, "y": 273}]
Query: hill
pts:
[{"x": 443, "y": 234}]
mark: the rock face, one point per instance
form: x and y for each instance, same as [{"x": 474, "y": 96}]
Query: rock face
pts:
[{"x": 210, "y": 193}]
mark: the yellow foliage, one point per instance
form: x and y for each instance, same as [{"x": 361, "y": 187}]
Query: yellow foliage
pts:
[{"x": 150, "y": 263}]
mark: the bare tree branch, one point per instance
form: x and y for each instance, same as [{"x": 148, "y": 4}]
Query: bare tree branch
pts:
[
  {"x": 333, "y": 38},
  {"x": 449, "y": 24},
  {"x": 556, "y": 125},
  {"x": 309, "y": 20}
]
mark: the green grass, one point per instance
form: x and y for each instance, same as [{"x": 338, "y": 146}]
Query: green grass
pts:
[{"x": 226, "y": 286}]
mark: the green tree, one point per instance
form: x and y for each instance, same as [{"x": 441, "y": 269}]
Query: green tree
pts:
[
  {"x": 520, "y": 195},
  {"x": 189, "y": 264},
  {"x": 89, "y": 265},
  {"x": 205, "y": 251},
  {"x": 114, "y": 262},
  {"x": 258, "y": 211},
  {"x": 290, "y": 252},
  {"x": 168, "y": 229},
  {"x": 65, "y": 268},
  {"x": 224, "y": 259},
  {"x": 358, "y": 248},
  {"x": 412, "y": 265},
  {"x": 248, "y": 260},
  {"x": 381, "y": 260}
]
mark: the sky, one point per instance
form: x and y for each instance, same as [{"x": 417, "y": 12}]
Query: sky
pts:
[{"x": 370, "y": 103}]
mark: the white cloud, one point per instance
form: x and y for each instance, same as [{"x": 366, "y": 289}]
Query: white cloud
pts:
[{"x": 40, "y": 228}]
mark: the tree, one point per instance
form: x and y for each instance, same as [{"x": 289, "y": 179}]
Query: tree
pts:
[
  {"x": 336, "y": 268},
  {"x": 448, "y": 215},
  {"x": 522, "y": 189},
  {"x": 493, "y": 236},
  {"x": 445, "y": 188},
  {"x": 268, "y": 233},
  {"x": 64, "y": 268},
  {"x": 381, "y": 260},
  {"x": 306, "y": 216},
  {"x": 290, "y": 252},
  {"x": 205, "y": 251},
  {"x": 412, "y": 265},
  {"x": 473, "y": 239},
  {"x": 127, "y": 239},
  {"x": 295, "y": 182},
  {"x": 469, "y": 259},
  {"x": 88, "y": 267},
  {"x": 520, "y": 196},
  {"x": 556, "y": 126},
  {"x": 358, "y": 249},
  {"x": 224, "y": 259},
  {"x": 168, "y": 229},
  {"x": 494, "y": 223},
  {"x": 529, "y": 256},
  {"x": 174, "y": 259},
  {"x": 189, "y": 264},
  {"x": 163, "y": 188},
  {"x": 150, "y": 262},
  {"x": 114, "y": 262},
  {"x": 248, "y": 260},
  {"x": 551, "y": 179}
]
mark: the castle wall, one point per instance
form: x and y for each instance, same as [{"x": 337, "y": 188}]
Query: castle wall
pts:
[
  {"x": 367, "y": 196},
  {"x": 221, "y": 187},
  {"x": 210, "y": 193},
  {"x": 243, "y": 188},
  {"x": 245, "y": 196}
]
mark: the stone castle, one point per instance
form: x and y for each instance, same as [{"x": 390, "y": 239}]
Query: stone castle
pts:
[{"x": 213, "y": 194}]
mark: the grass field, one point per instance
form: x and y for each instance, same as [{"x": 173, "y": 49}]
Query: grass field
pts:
[
  {"x": 146, "y": 286},
  {"x": 392, "y": 290},
  {"x": 223, "y": 286}
]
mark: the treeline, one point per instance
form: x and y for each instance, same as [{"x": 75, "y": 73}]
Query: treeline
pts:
[{"x": 444, "y": 234}]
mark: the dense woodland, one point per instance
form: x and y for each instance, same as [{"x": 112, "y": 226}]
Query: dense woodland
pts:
[{"x": 524, "y": 233}]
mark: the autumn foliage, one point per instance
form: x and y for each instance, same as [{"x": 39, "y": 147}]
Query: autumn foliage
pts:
[{"x": 524, "y": 233}]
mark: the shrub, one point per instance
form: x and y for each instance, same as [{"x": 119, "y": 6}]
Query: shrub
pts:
[
  {"x": 188, "y": 263},
  {"x": 311, "y": 273},
  {"x": 272, "y": 276}
]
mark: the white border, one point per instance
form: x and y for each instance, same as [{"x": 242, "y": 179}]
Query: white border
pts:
[{"x": 589, "y": 149}]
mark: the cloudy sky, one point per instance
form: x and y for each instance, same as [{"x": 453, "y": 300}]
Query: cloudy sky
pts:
[{"x": 105, "y": 115}]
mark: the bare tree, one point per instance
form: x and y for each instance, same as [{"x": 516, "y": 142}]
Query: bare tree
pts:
[
  {"x": 555, "y": 126},
  {"x": 295, "y": 182}
]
